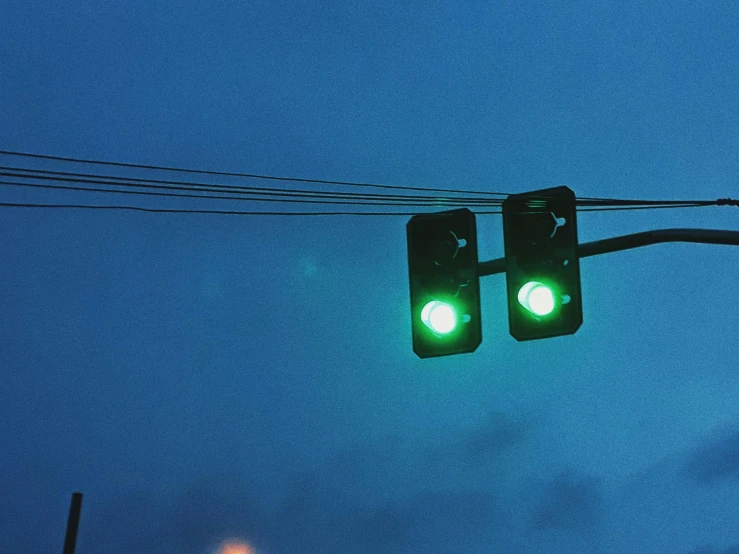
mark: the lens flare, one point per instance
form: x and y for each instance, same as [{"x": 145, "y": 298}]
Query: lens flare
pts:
[{"x": 236, "y": 547}]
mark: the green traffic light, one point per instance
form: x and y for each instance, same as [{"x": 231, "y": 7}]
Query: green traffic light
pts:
[
  {"x": 537, "y": 298},
  {"x": 439, "y": 317}
]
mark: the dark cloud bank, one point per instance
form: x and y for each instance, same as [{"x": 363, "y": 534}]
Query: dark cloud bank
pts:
[
  {"x": 715, "y": 460},
  {"x": 330, "y": 509},
  {"x": 400, "y": 498}
]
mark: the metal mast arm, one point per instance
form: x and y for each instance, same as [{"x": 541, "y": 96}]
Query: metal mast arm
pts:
[{"x": 636, "y": 240}]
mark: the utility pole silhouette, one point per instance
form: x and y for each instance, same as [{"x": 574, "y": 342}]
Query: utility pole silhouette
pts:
[{"x": 73, "y": 522}]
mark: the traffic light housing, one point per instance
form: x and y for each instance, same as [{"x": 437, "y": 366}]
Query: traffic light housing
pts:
[
  {"x": 444, "y": 283},
  {"x": 542, "y": 264}
]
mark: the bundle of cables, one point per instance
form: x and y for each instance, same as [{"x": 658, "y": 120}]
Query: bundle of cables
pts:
[{"x": 105, "y": 178}]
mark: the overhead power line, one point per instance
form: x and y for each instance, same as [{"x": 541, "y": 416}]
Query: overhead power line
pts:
[
  {"x": 242, "y": 175},
  {"x": 26, "y": 174},
  {"x": 648, "y": 207},
  {"x": 279, "y": 213},
  {"x": 125, "y": 185},
  {"x": 162, "y": 184},
  {"x": 315, "y": 199},
  {"x": 439, "y": 203},
  {"x": 221, "y": 212}
]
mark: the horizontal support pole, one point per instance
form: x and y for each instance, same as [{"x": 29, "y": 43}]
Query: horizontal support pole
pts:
[{"x": 627, "y": 242}]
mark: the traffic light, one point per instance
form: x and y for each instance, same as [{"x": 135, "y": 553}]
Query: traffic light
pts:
[
  {"x": 445, "y": 287},
  {"x": 542, "y": 264}
]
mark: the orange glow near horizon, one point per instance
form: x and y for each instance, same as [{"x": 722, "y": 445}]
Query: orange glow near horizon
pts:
[{"x": 236, "y": 547}]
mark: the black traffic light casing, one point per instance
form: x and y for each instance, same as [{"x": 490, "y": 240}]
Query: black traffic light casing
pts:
[
  {"x": 540, "y": 236},
  {"x": 442, "y": 266}
]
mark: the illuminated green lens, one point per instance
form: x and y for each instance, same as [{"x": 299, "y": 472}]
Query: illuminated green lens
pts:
[
  {"x": 439, "y": 317},
  {"x": 537, "y": 298}
]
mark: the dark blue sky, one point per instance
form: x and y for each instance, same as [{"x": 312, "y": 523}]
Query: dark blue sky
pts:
[{"x": 204, "y": 378}]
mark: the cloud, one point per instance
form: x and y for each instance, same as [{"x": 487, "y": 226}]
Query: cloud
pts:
[
  {"x": 497, "y": 434},
  {"x": 377, "y": 529},
  {"x": 365, "y": 500},
  {"x": 716, "y": 460},
  {"x": 312, "y": 517},
  {"x": 209, "y": 511},
  {"x": 195, "y": 520},
  {"x": 454, "y": 494},
  {"x": 317, "y": 523},
  {"x": 570, "y": 502},
  {"x": 444, "y": 521}
]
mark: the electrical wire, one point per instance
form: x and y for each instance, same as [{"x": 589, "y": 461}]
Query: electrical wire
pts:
[
  {"x": 250, "y": 213},
  {"x": 243, "y": 175},
  {"x": 207, "y": 187},
  {"x": 218, "y": 191},
  {"x": 671, "y": 206},
  {"x": 222, "y": 212},
  {"x": 221, "y": 197},
  {"x": 371, "y": 202},
  {"x": 367, "y": 198},
  {"x": 581, "y": 201}
]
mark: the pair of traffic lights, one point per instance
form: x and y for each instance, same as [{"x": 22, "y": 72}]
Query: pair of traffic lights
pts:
[{"x": 542, "y": 273}]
